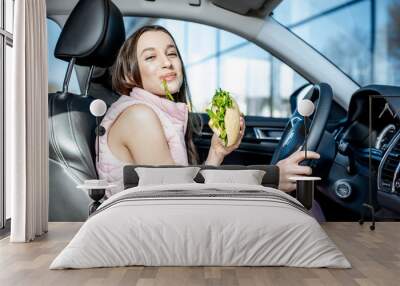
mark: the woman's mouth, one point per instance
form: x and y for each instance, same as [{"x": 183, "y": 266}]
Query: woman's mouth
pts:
[{"x": 169, "y": 77}]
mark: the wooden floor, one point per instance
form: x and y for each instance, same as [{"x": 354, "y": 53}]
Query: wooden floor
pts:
[{"x": 374, "y": 255}]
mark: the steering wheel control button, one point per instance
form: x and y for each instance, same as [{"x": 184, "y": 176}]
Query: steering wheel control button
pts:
[
  {"x": 343, "y": 189},
  {"x": 343, "y": 146}
]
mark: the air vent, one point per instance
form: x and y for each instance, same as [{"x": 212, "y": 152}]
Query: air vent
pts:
[{"x": 389, "y": 169}]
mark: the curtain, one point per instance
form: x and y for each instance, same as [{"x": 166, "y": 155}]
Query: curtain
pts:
[{"x": 26, "y": 124}]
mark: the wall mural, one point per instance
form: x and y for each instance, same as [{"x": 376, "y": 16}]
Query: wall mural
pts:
[{"x": 133, "y": 148}]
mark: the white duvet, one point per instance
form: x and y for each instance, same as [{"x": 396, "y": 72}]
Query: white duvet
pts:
[{"x": 185, "y": 230}]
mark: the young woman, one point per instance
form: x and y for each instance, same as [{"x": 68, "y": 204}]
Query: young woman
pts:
[{"x": 144, "y": 127}]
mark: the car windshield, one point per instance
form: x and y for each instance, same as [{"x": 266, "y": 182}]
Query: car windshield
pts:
[{"x": 361, "y": 37}]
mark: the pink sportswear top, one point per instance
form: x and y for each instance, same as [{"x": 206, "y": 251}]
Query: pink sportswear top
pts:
[{"x": 173, "y": 117}]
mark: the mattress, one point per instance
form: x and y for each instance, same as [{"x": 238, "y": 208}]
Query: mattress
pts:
[{"x": 201, "y": 225}]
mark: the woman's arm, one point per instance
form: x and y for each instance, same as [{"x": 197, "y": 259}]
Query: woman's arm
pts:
[{"x": 140, "y": 131}]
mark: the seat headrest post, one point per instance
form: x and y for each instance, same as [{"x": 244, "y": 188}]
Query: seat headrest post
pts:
[
  {"x": 87, "y": 85},
  {"x": 68, "y": 75}
]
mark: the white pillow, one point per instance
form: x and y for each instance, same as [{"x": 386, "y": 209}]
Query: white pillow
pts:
[
  {"x": 248, "y": 177},
  {"x": 163, "y": 176}
]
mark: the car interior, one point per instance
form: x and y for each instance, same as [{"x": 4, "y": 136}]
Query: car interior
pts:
[{"x": 360, "y": 154}]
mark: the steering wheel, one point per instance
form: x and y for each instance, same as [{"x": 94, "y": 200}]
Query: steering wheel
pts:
[{"x": 293, "y": 135}]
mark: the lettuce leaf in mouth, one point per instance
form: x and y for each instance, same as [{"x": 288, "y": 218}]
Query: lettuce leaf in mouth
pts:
[
  {"x": 221, "y": 101},
  {"x": 167, "y": 92}
]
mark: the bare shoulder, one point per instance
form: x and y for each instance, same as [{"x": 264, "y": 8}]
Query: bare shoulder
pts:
[
  {"x": 138, "y": 119},
  {"x": 139, "y": 115},
  {"x": 138, "y": 132}
]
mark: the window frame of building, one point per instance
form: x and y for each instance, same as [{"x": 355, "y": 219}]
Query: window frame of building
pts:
[{"x": 6, "y": 40}]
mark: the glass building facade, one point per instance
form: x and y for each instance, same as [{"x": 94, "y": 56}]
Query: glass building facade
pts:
[{"x": 362, "y": 37}]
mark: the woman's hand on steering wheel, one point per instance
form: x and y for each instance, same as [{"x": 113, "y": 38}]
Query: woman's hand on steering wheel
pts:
[{"x": 290, "y": 167}]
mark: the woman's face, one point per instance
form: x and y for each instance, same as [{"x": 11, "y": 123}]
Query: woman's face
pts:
[{"x": 158, "y": 60}]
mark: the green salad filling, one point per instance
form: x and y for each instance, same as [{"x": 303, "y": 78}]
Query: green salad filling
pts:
[
  {"x": 167, "y": 92},
  {"x": 221, "y": 101}
]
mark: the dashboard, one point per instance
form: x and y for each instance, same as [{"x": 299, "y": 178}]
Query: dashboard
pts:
[
  {"x": 382, "y": 141},
  {"x": 362, "y": 141}
]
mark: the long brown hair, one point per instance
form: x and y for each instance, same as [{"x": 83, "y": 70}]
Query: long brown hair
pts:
[{"x": 126, "y": 75}]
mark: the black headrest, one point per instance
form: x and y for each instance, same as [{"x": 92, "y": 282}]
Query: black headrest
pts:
[{"x": 93, "y": 34}]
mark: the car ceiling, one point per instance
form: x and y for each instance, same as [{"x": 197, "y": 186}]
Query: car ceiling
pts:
[{"x": 248, "y": 7}]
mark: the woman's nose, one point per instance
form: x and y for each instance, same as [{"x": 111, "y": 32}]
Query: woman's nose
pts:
[{"x": 165, "y": 62}]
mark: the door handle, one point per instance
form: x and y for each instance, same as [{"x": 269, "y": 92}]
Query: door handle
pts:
[{"x": 260, "y": 134}]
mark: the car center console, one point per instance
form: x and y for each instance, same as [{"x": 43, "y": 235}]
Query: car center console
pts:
[{"x": 389, "y": 176}]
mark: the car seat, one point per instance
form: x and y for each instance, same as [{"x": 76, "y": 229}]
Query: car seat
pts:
[{"x": 91, "y": 36}]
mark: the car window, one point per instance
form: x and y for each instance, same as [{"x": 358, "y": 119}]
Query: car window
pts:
[
  {"x": 360, "y": 37},
  {"x": 58, "y": 68},
  {"x": 215, "y": 58}
]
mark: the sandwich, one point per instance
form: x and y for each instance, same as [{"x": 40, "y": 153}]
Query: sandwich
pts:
[{"x": 224, "y": 115}]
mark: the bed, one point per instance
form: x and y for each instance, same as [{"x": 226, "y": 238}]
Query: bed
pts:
[{"x": 201, "y": 223}]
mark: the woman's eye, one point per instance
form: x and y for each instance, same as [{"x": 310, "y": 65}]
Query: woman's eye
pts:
[
  {"x": 172, "y": 54},
  {"x": 149, "y": 58}
]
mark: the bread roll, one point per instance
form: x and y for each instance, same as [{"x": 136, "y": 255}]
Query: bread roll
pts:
[{"x": 232, "y": 123}]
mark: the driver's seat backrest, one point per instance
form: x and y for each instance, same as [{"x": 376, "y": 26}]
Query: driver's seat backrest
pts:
[{"x": 92, "y": 36}]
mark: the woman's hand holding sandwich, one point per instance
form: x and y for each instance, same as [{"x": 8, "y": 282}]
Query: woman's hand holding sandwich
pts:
[
  {"x": 218, "y": 150},
  {"x": 227, "y": 123},
  {"x": 290, "y": 167}
]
